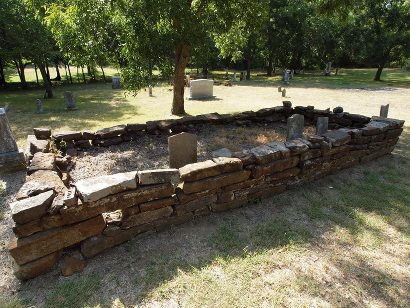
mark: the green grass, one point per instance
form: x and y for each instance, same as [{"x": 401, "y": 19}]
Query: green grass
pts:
[
  {"x": 73, "y": 293},
  {"x": 99, "y": 106}
]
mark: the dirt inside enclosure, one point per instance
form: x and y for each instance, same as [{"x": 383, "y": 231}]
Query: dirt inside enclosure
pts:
[{"x": 151, "y": 151}]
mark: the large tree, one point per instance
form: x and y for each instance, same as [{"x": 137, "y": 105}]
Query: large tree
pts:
[{"x": 384, "y": 23}]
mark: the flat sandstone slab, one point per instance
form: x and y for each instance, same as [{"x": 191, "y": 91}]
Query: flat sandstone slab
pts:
[
  {"x": 93, "y": 189},
  {"x": 158, "y": 176},
  {"x": 29, "y": 209},
  {"x": 41, "y": 244}
]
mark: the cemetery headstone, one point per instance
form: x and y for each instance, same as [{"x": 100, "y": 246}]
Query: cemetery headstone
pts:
[
  {"x": 286, "y": 77},
  {"x": 292, "y": 73},
  {"x": 10, "y": 156},
  {"x": 328, "y": 68},
  {"x": 69, "y": 101},
  {"x": 241, "y": 76},
  {"x": 150, "y": 90},
  {"x": 384, "y": 111},
  {"x": 234, "y": 77},
  {"x": 284, "y": 93},
  {"x": 201, "y": 88},
  {"x": 39, "y": 106},
  {"x": 226, "y": 74},
  {"x": 116, "y": 83},
  {"x": 295, "y": 127},
  {"x": 188, "y": 80},
  {"x": 322, "y": 125},
  {"x": 279, "y": 89},
  {"x": 182, "y": 149}
]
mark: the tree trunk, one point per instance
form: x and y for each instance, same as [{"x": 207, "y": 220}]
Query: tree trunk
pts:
[
  {"x": 65, "y": 70},
  {"x": 47, "y": 83},
  {"x": 102, "y": 70},
  {"x": 58, "y": 78},
  {"x": 48, "y": 73},
  {"x": 248, "y": 68},
  {"x": 2, "y": 76},
  {"x": 379, "y": 72},
  {"x": 181, "y": 60},
  {"x": 82, "y": 71},
  {"x": 205, "y": 72},
  {"x": 78, "y": 77},
  {"x": 69, "y": 73},
  {"x": 270, "y": 68},
  {"x": 20, "y": 70},
  {"x": 35, "y": 69}
]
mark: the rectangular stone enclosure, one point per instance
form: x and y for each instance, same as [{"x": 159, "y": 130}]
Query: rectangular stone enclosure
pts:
[
  {"x": 201, "y": 88},
  {"x": 53, "y": 217}
]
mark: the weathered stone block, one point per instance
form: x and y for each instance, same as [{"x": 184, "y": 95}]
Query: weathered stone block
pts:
[
  {"x": 42, "y": 133},
  {"x": 227, "y": 164},
  {"x": 41, "y": 244},
  {"x": 36, "y": 267},
  {"x": 107, "y": 142},
  {"x": 312, "y": 153},
  {"x": 296, "y": 146},
  {"x": 39, "y": 146},
  {"x": 42, "y": 161},
  {"x": 145, "y": 217},
  {"x": 157, "y": 204},
  {"x": 98, "y": 244},
  {"x": 264, "y": 154},
  {"x": 201, "y": 170},
  {"x": 67, "y": 136},
  {"x": 279, "y": 176},
  {"x": 215, "y": 182},
  {"x": 110, "y": 132},
  {"x": 39, "y": 182},
  {"x": 32, "y": 208},
  {"x": 245, "y": 156},
  {"x": 167, "y": 222},
  {"x": 194, "y": 205},
  {"x": 93, "y": 189},
  {"x": 158, "y": 176},
  {"x": 276, "y": 166},
  {"x": 337, "y": 137},
  {"x": 116, "y": 202}
]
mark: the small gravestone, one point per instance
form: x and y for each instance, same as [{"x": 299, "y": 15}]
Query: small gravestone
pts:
[
  {"x": 241, "y": 76},
  {"x": 287, "y": 104},
  {"x": 322, "y": 125},
  {"x": 284, "y": 93},
  {"x": 182, "y": 150},
  {"x": 292, "y": 73},
  {"x": 286, "y": 77},
  {"x": 69, "y": 101},
  {"x": 116, "y": 83},
  {"x": 384, "y": 111},
  {"x": 295, "y": 126},
  {"x": 188, "y": 80},
  {"x": 201, "y": 88},
  {"x": 279, "y": 89},
  {"x": 150, "y": 90},
  {"x": 328, "y": 68},
  {"x": 234, "y": 77},
  {"x": 10, "y": 156},
  {"x": 39, "y": 106},
  {"x": 226, "y": 74}
]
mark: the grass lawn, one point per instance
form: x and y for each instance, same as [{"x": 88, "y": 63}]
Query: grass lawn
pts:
[
  {"x": 341, "y": 241},
  {"x": 99, "y": 106}
]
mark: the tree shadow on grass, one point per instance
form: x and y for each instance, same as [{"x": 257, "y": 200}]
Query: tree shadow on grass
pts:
[{"x": 179, "y": 259}]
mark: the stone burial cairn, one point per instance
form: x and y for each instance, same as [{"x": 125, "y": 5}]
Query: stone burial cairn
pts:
[{"x": 56, "y": 219}]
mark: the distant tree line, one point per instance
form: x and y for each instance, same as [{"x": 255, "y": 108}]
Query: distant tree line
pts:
[{"x": 153, "y": 40}]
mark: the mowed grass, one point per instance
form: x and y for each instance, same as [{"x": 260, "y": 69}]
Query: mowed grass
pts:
[{"x": 99, "y": 106}]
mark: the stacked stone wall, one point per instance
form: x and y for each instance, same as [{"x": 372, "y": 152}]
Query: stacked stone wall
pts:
[{"x": 92, "y": 215}]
